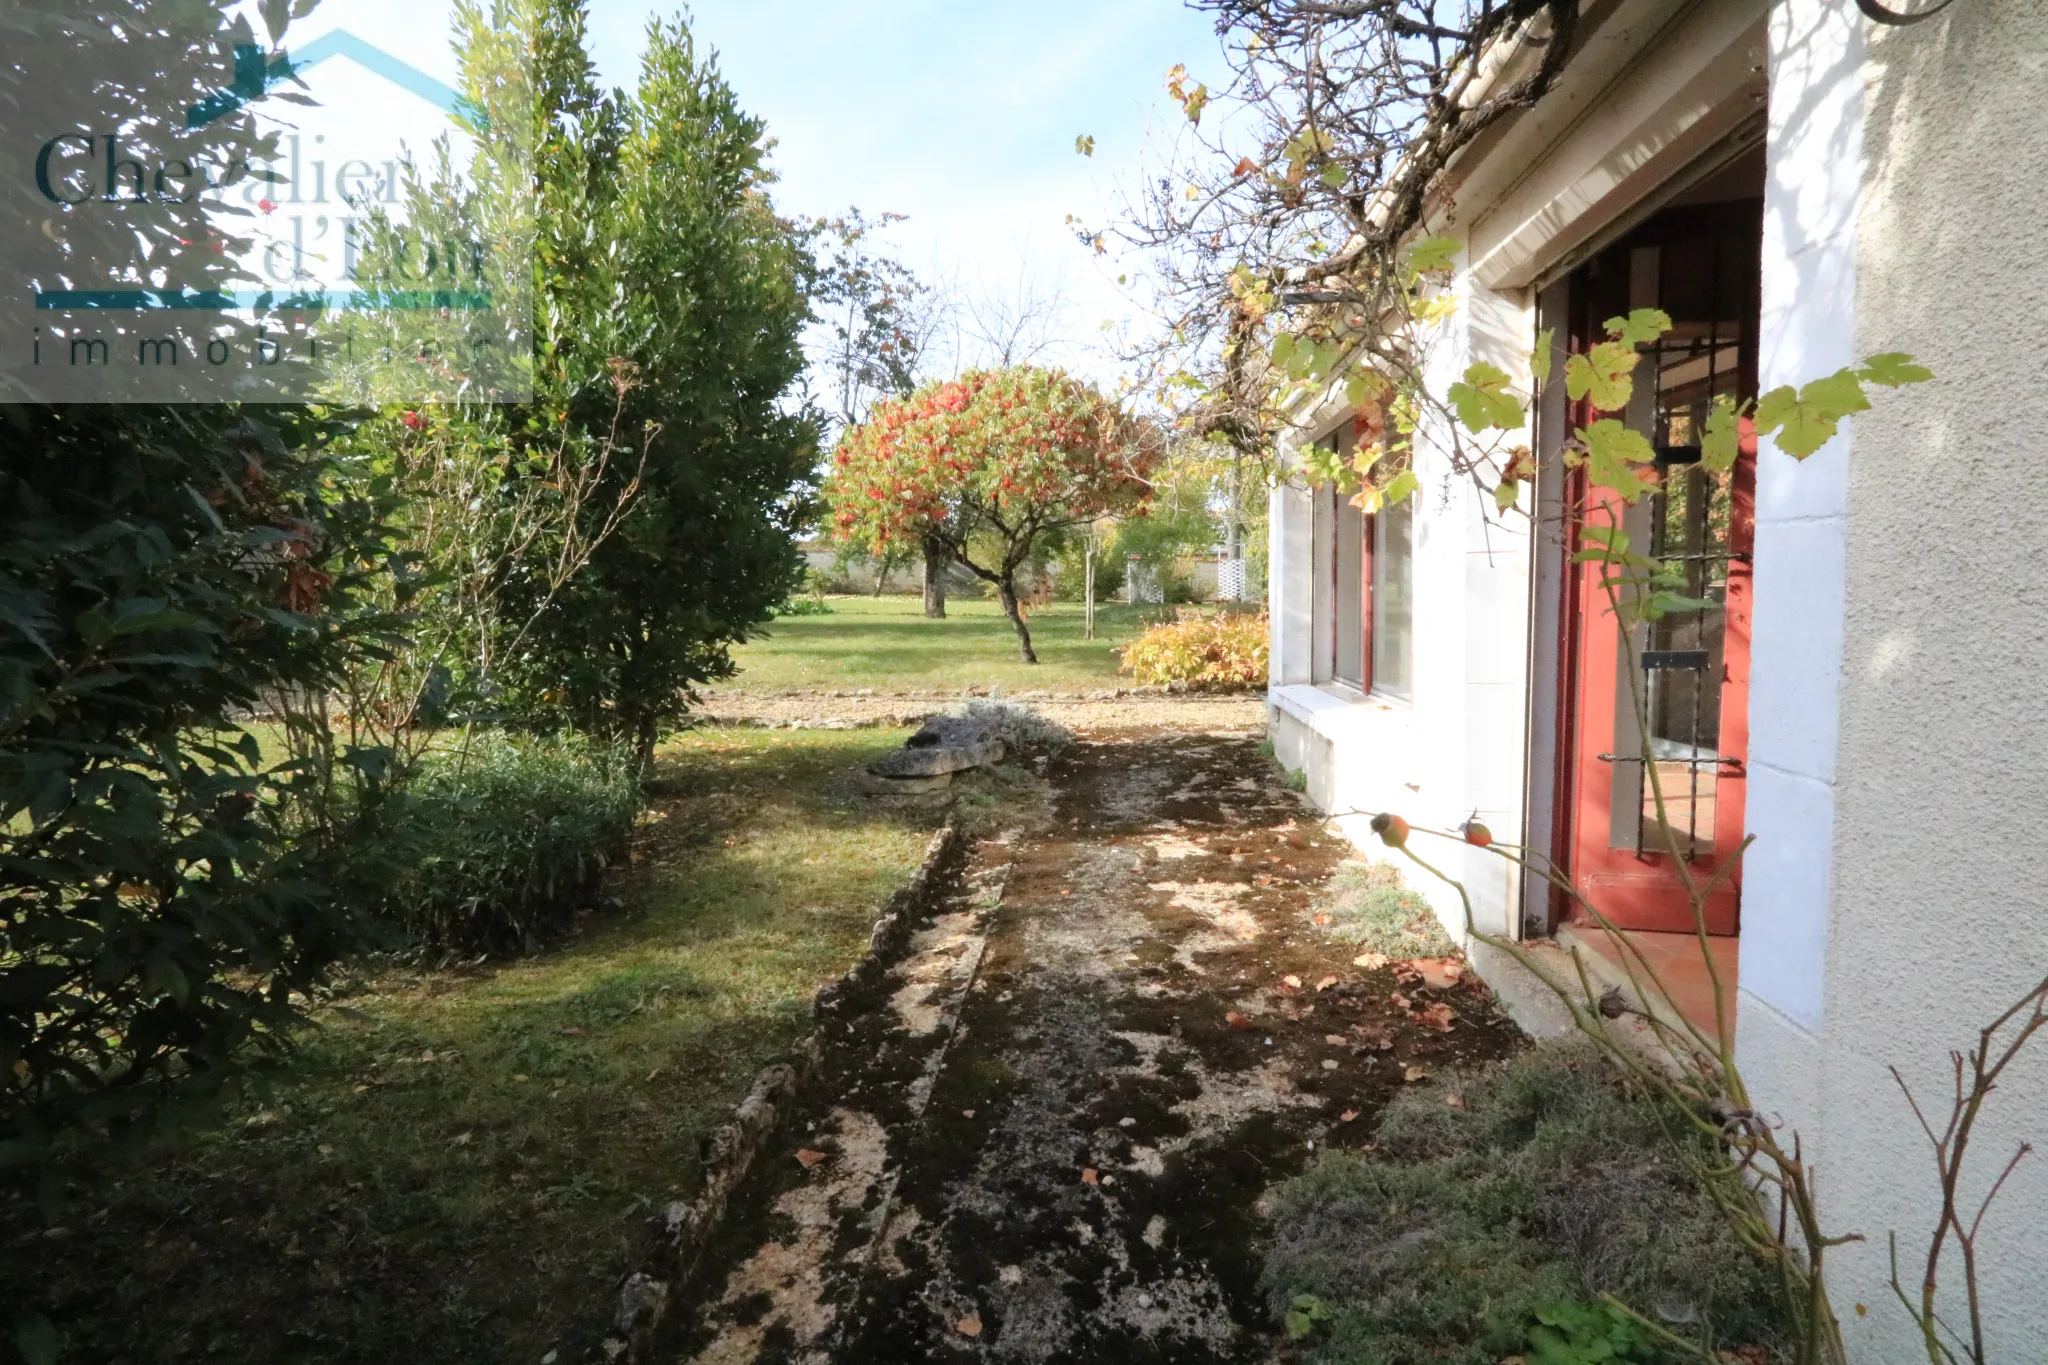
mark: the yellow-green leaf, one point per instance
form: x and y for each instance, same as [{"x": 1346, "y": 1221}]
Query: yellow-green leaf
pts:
[
  {"x": 1837, "y": 395},
  {"x": 1432, "y": 253},
  {"x": 1322, "y": 465},
  {"x": 1613, "y": 538},
  {"x": 1505, "y": 494},
  {"x": 1402, "y": 411},
  {"x": 1435, "y": 309},
  {"x": 1641, "y": 325},
  {"x": 1482, "y": 399},
  {"x": 1722, "y": 440},
  {"x": 1601, "y": 376},
  {"x": 1539, "y": 359},
  {"x": 1612, "y": 452},
  {"x": 1808, "y": 419},
  {"x": 1894, "y": 368},
  {"x": 1399, "y": 487},
  {"x": 1085, "y": 145},
  {"x": 1365, "y": 386},
  {"x": 1334, "y": 175}
]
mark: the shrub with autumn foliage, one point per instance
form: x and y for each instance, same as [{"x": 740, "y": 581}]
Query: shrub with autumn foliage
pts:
[
  {"x": 1003, "y": 455},
  {"x": 1228, "y": 650}
]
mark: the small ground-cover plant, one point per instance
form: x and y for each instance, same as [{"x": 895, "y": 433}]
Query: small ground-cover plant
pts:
[
  {"x": 505, "y": 839},
  {"x": 1225, "y": 649},
  {"x": 1588, "y": 1334},
  {"x": 1370, "y": 904},
  {"x": 1498, "y": 1201}
]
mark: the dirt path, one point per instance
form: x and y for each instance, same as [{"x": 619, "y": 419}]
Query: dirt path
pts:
[{"x": 1048, "y": 1138}]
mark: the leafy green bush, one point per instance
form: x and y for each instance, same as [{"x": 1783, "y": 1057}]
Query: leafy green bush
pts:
[
  {"x": 1478, "y": 1223},
  {"x": 165, "y": 887},
  {"x": 810, "y": 601},
  {"x": 666, "y": 253},
  {"x": 1227, "y": 649},
  {"x": 506, "y": 842}
]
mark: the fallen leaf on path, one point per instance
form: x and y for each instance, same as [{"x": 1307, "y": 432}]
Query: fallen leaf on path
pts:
[
  {"x": 1322, "y": 919},
  {"x": 1414, "y": 1073},
  {"x": 969, "y": 1326},
  {"x": 1326, "y": 983},
  {"x": 1375, "y": 1036},
  {"x": 1438, "y": 973},
  {"x": 1437, "y": 1016},
  {"x": 1347, "y": 1116},
  {"x": 1236, "y": 1020},
  {"x": 1335, "y": 1039},
  {"x": 1089, "y": 1175},
  {"x": 1369, "y": 960},
  {"x": 1455, "y": 1100},
  {"x": 1292, "y": 983},
  {"x": 808, "y": 1158},
  {"x": 1400, "y": 1001},
  {"x": 966, "y": 1113}
]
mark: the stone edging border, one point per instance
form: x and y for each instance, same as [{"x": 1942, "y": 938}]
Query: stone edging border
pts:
[{"x": 687, "y": 1226}]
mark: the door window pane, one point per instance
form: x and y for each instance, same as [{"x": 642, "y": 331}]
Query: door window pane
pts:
[{"x": 1703, "y": 285}]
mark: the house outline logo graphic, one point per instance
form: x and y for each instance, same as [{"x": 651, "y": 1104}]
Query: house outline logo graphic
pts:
[{"x": 257, "y": 71}]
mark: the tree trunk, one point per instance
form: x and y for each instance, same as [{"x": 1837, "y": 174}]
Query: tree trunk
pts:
[
  {"x": 936, "y": 562},
  {"x": 1008, "y": 591}
]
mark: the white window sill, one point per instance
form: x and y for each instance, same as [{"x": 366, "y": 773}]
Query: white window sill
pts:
[{"x": 1334, "y": 710}]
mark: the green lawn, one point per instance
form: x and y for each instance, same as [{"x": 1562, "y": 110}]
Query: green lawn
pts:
[
  {"x": 461, "y": 1163},
  {"x": 887, "y": 644}
]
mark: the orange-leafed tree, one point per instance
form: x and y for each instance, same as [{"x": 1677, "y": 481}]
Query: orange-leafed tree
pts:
[{"x": 1003, "y": 455}]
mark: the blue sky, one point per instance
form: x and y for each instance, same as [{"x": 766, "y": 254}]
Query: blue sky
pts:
[{"x": 962, "y": 116}]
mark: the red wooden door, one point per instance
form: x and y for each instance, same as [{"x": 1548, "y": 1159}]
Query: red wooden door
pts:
[
  {"x": 1695, "y": 691},
  {"x": 1643, "y": 801}
]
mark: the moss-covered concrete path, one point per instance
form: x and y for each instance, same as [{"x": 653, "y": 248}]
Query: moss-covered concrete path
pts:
[{"x": 1048, "y": 1139}]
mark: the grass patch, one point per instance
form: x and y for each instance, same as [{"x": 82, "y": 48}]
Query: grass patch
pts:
[
  {"x": 1548, "y": 1184},
  {"x": 456, "y": 1166},
  {"x": 1371, "y": 905},
  {"x": 887, "y": 644}
]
